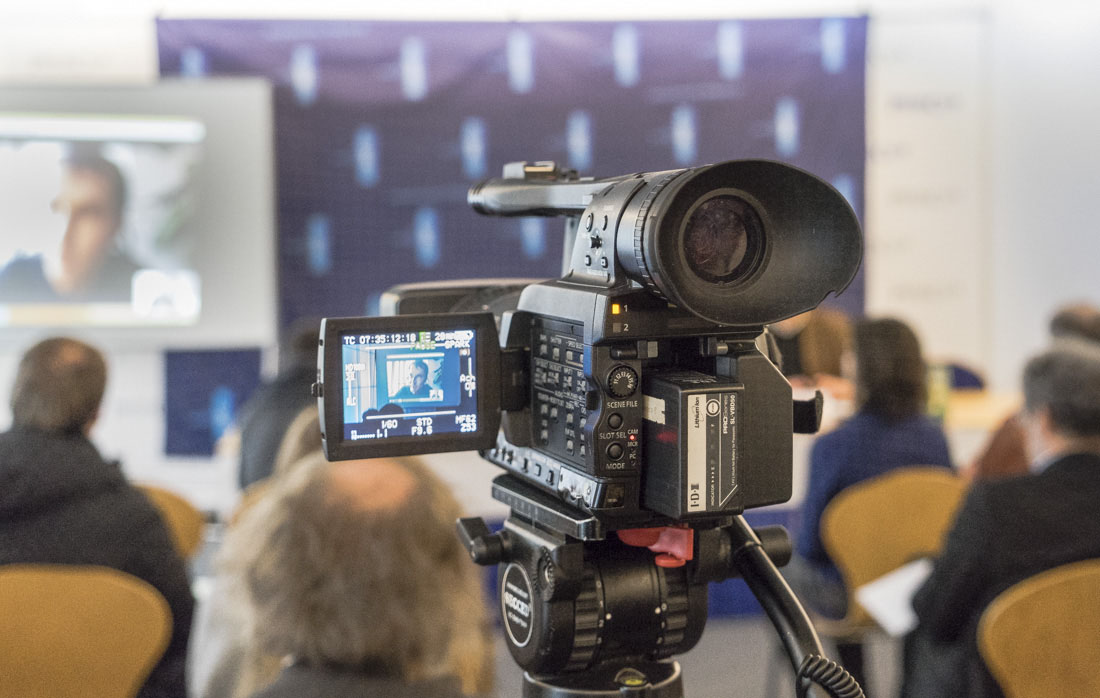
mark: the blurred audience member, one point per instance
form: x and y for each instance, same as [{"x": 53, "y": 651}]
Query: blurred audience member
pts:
[
  {"x": 302, "y": 438},
  {"x": 61, "y": 503},
  {"x": 355, "y": 578},
  {"x": 1079, "y": 320},
  {"x": 1010, "y": 529},
  {"x": 1005, "y": 454},
  {"x": 812, "y": 347},
  {"x": 266, "y": 415},
  {"x": 889, "y": 430},
  {"x": 220, "y": 650}
]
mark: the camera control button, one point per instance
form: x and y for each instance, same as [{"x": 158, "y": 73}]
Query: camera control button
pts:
[
  {"x": 624, "y": 352},
  {"x": 588, "y": 221},
  {"x": 615, "y": 451},
  {"x": 614, "y": 420},
  {"x": 622, "y": 381},
  {"x": 592, "y": 400},
  {"x": 594, "y": 241}
]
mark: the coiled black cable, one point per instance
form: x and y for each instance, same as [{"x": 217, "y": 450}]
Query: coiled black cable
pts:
[
  {"x": 832, "y": 677},
  {"x": 787, "y": 615}
]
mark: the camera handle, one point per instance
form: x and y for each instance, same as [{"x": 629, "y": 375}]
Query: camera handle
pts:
[{"x": 731, "y": 550}]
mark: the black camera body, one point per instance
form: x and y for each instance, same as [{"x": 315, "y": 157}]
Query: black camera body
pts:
[
  {"x": 630, "y": 420},
  {"x": 629, "y": 403},
  {"x": 632, "y": 388}
]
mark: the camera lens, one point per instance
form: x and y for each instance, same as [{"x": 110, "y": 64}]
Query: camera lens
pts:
[
  {"x": 740, "y": 243},
  {"x": 718, "y": 238}
]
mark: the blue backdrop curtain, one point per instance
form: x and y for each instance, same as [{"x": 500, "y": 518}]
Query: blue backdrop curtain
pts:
[{"x": 382, "y": 126}]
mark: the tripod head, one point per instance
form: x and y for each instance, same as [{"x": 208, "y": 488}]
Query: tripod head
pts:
[{"x": 590, "y": 613}]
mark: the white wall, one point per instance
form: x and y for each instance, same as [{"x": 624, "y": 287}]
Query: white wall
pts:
[
  {"x": 978, "y": 215},
  {"x": 1044, "y": 171},
  {"x": 926, "y": 223}
]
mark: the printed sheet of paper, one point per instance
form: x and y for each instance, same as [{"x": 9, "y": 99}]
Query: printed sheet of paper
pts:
[{"x": 889, "y": 599}]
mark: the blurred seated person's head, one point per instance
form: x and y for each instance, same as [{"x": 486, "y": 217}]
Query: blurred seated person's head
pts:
[
  {"x": 92, "y": 198},
  {"x": 355, "y": 565},
  {"x": 1077, "y": 320},
  {"x": 1062, "y": 401},
  {"x": 59, "y": 386},
  {"x": 890, "y": 372},
  {"x": 298, "y": 344},
  {"x": 302, "y": 438},
  {"x": 813, "y": 344}
]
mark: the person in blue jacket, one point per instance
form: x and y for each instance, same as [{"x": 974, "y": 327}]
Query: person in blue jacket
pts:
[{"x": 888, "y": 430}]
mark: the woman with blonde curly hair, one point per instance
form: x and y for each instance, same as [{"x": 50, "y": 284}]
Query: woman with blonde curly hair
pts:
[
  {"x": 355, "y": 580},
  {"x": 230, "y": 661}
]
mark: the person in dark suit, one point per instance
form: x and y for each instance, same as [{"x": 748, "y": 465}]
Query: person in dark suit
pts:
[
  {"x": 1013, "y": 528},
  {"x": 270, "y": 410},
  {"x": 1005, "y": 454},
  {"x": 62, "y": 503}
]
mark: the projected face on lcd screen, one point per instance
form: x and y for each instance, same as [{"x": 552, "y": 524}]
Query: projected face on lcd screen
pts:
[
  {"x": 409, "y": 384},
  {"x": 96, "y": 222}
]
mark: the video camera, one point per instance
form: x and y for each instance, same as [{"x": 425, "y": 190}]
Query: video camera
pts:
[{"x": 629, "y": 396}]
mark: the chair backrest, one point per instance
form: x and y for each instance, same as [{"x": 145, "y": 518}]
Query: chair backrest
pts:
[
  {"x": 184, "y": 521},
  {"x": 76, "y": 631},
  {"x": 880, "y": 524},
  {"x": 1041, "y": 637}
]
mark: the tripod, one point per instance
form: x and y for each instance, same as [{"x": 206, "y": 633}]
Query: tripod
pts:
[{"x": 588, "y": 612}]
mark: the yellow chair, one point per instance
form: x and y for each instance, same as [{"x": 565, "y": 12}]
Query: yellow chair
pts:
[
  {"x": 876, "y": 526},
  {"x": 77, "y": 631},
  {"x": 880, "y": 524},
  {"x": 1041, "y": 637},
  {"x": 184, "y": 521}
]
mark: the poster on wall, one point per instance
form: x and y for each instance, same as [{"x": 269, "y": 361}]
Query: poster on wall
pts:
[
  {"x": 381, "y": 127},
  {"x": 204, "y": 392},
  {"x": 926, "y": 199}
]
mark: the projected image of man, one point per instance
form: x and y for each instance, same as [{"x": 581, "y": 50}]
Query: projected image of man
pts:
[
  {"x": 88, "y": 264},
  {"x": 418, "y": 387}
]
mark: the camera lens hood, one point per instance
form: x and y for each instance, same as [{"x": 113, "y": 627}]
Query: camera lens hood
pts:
[{"x": 745, "y": 242}]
